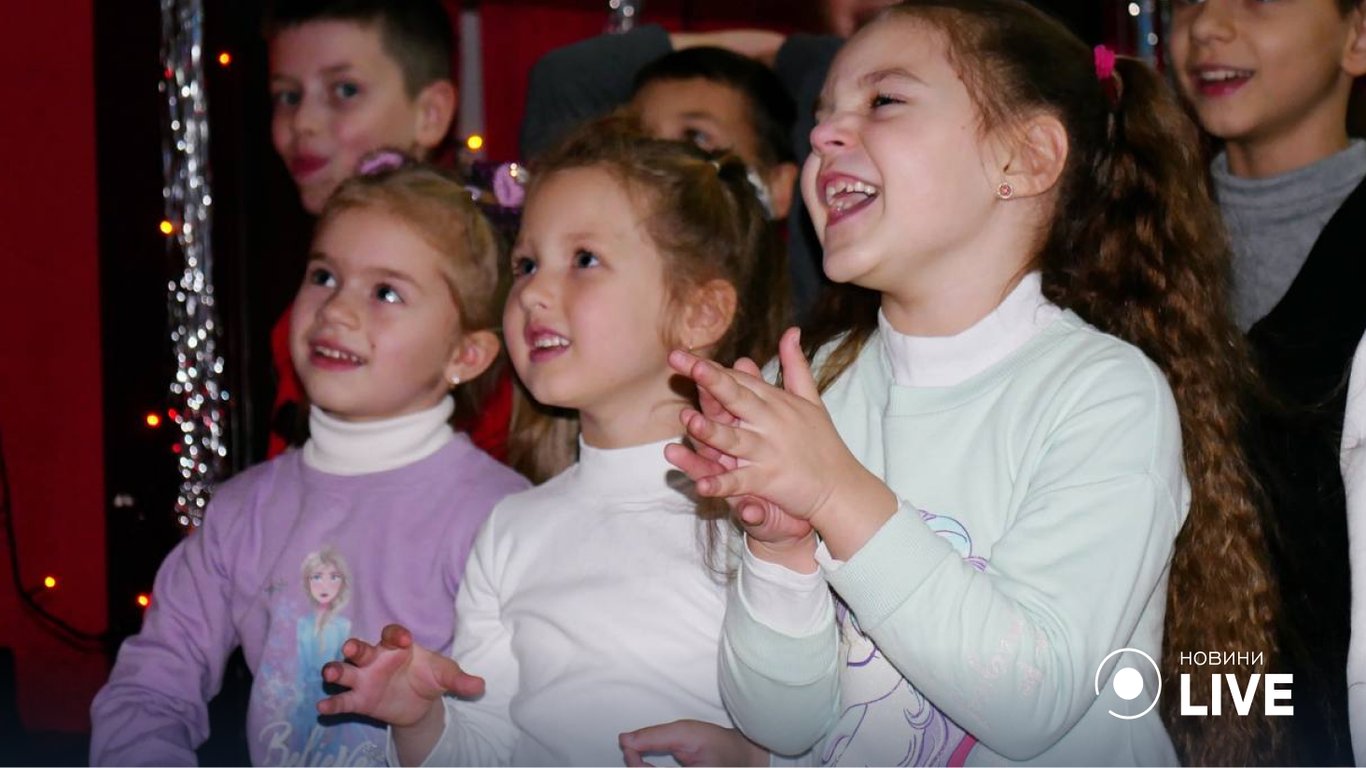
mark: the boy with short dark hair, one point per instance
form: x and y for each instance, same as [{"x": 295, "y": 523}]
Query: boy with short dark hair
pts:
[
  {"x": 1271, "y": 81},
  {"x": 348, "y": 77},
  {"x": 721, "y": 100}
]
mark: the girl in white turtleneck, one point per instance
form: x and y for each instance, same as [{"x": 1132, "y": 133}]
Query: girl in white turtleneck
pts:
[
  {"x": 370, "y": 523},
  {"x": 592, "y": 604}
]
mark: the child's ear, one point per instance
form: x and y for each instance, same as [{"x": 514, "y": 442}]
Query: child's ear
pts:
[
  {"x": 435, "y": 111},
  {"x": 1034, "y": 156},
  {"x": 708, "y": 315},
  {"x": 780, "y": 180},
  {"x": 1354, "y": 55},
  {"x": 476, "y": 352}
]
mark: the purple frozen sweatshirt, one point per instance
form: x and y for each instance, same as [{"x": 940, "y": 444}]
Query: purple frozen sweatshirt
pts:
[{"x": 290, "y": 562}]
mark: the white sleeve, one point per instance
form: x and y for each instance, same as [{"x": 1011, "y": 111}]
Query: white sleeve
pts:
[
  {"x": 1354, "y": 482},
  {"x": 796, "y": 604},
  {"x": 480, "y": 731}
]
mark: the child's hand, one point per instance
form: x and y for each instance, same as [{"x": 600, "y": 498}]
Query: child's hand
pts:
[
  {"x": 396, "y": 681},
  {"x": 774, "y": 535},
  {"x": 692, "y": 742},
  {"x": 782, "y": 447}
]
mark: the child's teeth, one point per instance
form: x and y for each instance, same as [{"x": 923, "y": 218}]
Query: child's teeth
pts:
[
  {"x": 1221, "y": 75},
  {"x": 546, "y": 342},
  {"x": 835, "y": 189},
  {"x": 336, "y": 354}
]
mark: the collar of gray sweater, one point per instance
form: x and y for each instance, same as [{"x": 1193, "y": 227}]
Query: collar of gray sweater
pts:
[{"x": 1274, "y": 222}]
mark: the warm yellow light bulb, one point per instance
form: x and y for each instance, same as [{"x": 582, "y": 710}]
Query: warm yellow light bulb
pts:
[{"x": 475, "y": 142}]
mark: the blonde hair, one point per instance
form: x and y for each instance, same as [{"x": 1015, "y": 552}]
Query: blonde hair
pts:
[{"x": 440, "y": 210}]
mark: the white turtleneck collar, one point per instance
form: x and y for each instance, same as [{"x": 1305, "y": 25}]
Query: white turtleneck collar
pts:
[
  {"x": 361, "y": 447},
  {"x": 637, "y": 471},
  {"x": 943, "y": 361}
]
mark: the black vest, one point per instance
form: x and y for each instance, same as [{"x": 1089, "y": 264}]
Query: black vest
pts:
[{"x": 1304, "y": 349}]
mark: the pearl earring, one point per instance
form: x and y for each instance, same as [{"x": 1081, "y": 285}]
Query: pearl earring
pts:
[
  {"x": 455, "y": 381},
  {"x": 1005, "y": 191}
]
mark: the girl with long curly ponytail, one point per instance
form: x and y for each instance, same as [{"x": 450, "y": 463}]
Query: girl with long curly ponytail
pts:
[{"x": 1016, "y": 456}]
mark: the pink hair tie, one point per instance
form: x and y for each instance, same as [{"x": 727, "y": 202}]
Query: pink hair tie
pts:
[
  {"x": 509, "y": 185},
  {"x": 379, "y": 161},
  {"x": 1105, "y": 63}
]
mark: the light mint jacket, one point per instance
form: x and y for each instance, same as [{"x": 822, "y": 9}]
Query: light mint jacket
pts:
[{"x": 1040, "y": 503}]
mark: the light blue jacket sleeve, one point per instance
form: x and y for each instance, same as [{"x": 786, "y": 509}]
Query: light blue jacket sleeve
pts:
[{"x": 781, "y": 691}]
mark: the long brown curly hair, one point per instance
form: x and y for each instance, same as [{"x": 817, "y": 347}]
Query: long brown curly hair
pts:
[{"x": 1137, "y": 248}]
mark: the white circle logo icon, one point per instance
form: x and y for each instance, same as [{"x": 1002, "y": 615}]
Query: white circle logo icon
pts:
[{"x": 1127, "y": 682}]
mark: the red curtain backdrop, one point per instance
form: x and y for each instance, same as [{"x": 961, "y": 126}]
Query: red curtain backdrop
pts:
[{"x": 50, "y": 395}]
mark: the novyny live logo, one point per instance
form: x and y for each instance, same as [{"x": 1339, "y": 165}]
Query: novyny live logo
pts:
[{"x": 1128, "y": 684}]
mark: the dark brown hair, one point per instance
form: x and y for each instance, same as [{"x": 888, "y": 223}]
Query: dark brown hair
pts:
[
  {"x": 439, "y": 209},
  {"x": 1136, "y": 247},
  {"x": 703, "y": 215},
  {"x": 416, "y": 34}
]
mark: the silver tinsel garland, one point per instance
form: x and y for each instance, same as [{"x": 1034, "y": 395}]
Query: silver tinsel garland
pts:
[{"x": 198, "y": 401}]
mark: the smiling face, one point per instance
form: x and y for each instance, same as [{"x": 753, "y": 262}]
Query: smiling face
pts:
[
  {"x": 585, "y": 322},
  {"x": 338, "y": 95},
  {"x": 898, "y": 181},
  {"x": 374, "y": 331},
  {"x": 1265, "y": 73}
]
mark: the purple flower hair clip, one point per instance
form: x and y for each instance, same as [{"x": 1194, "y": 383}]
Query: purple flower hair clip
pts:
[
  {"x": 509, "y": 185},
  {"x": 381, "y": 160}
]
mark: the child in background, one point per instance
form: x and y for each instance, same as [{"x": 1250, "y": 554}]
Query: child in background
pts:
[
  {"x": 348, "y": 77},
  {"x": 592, "y": 604},
  {"x": 396, "y": 311},
  {"x": 1271, "y": 82},
  {"x": 988, "y": 465},
  {"x": 713, "y": 97}
]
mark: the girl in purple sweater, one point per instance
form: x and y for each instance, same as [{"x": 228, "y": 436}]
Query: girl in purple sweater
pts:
[{"x": 369, "y": 523}]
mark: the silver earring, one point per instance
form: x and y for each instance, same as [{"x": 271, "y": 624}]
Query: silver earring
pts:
[
  {"x": 1005, "y": 191},
  {"x": 455, "y": 381}
]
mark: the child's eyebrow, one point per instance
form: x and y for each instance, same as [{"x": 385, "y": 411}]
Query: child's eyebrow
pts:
[
  {"x": 890, "y": 73},
  {"x": 700, "y": 115},
  {"x": 385, "y": 273}
]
